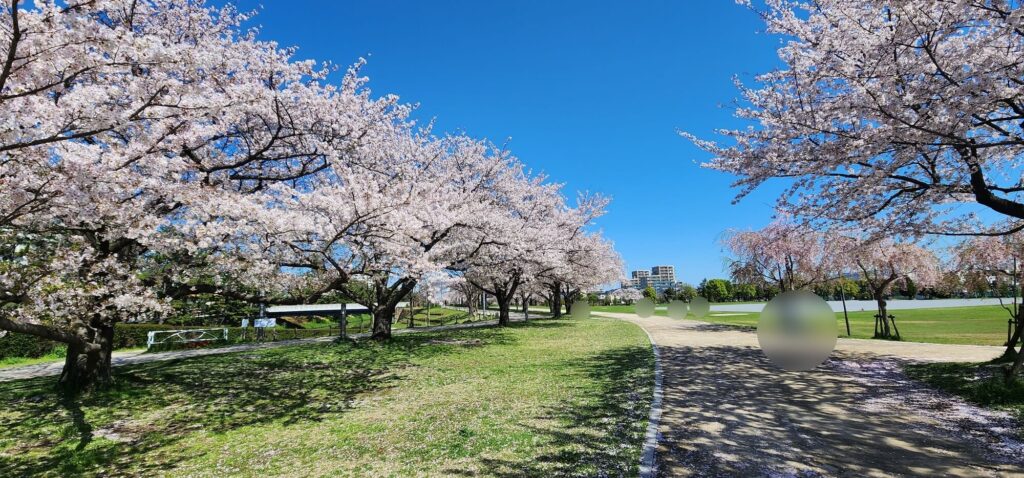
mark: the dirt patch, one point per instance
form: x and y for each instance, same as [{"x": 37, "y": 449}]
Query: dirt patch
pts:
[
  {"x": 121, "y": 431},
  {"x": 462, "y": 342}
]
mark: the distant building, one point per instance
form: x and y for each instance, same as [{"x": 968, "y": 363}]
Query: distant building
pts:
[
  {"x": 659, "y": 277},
  {"x": 638, "y": 280}
]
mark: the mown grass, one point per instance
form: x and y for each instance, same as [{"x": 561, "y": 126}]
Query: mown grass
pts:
[
  {"x": 551, "y": 397},
  {"x": 981, "y": 325}
]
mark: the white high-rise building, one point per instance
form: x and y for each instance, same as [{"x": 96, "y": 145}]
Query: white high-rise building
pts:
[{"x": 659, "y": 277}]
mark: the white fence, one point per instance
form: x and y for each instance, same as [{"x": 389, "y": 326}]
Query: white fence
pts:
[{"x": 160, "y": 337}]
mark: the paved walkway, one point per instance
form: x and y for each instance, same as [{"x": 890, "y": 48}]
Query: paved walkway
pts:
[
  {"x": 140, "y": 356},
  {"x": 729, "y": 412}
]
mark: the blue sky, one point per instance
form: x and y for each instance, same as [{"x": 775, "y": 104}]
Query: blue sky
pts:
[{"x": 590, "y": 93}]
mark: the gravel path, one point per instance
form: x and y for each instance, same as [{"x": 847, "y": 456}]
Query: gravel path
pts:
[{"x": 729, "y": 412}]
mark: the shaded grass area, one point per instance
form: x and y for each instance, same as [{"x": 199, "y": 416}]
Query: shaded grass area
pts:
[
  {"x": 981, "y": 325},
  {"x": 551, "y": 397},
  {"x": 980, "y": 383}
]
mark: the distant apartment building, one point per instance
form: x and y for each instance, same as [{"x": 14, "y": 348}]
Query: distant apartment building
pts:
[{"x": 659, "y": 277}]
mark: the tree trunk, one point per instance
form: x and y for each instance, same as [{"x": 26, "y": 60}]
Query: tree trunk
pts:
[
  {"x": 1011, "y": 345},
  {"x": 556, "y": 301},
  {"x": 1011, "y": 372},
  {"x": 383, "y": 316},
  {"x": 884, "y": 331},
  {"x": 86, "y": 370},
  {"x": 504, "y": 306}
]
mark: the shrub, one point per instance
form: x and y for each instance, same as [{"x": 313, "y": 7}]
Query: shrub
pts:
[{"x": 22, "y": 345}]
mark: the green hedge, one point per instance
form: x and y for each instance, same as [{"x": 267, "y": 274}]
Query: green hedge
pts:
[
  {"x": 21, "y": 345},
  {"x": 127, "y": 336}
]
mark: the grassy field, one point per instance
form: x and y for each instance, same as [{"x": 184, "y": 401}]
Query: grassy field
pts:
[
  {"x": 982, "y": 325},
  {"x": 552, "y": 397}
]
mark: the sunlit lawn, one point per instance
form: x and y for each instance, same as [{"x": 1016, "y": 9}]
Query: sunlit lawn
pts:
[
  {"x": 552, "y": 397},
  {"x": 982, "y": 325}
]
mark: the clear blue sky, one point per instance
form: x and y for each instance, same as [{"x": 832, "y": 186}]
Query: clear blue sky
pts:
[{"x": 589, "y": 92}]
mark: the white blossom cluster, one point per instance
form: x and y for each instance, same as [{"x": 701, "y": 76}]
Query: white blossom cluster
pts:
[{"x": 154, "y": 149}]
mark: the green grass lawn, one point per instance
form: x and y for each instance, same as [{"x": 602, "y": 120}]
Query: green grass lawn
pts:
[
  {"x": 982, "y": 325},
  {"x": 551, "y": 397}
]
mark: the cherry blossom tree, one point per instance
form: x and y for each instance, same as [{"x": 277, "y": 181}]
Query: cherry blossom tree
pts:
[
  {"x": 785, "y": 253},
  {"x": 536, "y": 237},
  {"x": 884, "y": 264},
  {"x": 626, "y": 295},
  {"x": 999, "y": 257},
  {"x": 899, "y": 116},
  {"x": 141, "y": 128},
  {"x": 153, "y": 149},
  {"x": 523, "y": 240},
  {"x": 591, "y": 262}
]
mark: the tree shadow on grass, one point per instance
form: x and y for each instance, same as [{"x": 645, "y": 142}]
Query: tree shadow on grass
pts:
[
  {"x": 598, "y": 433},
  {"x": 153, "y": 406}
]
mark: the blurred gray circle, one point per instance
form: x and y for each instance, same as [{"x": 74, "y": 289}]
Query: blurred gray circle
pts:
[
  {"x": 581, "y": 309},
  {"x": 677, "y": 309},
  {"x": 645, "y": 307},
  {"x": 797, "y": 330},
  {"x": 699, "y": 307}
]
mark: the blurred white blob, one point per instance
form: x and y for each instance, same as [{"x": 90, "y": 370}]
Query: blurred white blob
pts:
[
  {"x": 677, "y": 309},
  {"x": 797, "y": 330},
  {"x": 581, "y": 309},
  {"x": 645, "y": 307},
  {"x": 699, "y": 307}
]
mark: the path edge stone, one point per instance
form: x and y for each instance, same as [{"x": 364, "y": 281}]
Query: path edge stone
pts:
[{"x": 648, "y": 465}]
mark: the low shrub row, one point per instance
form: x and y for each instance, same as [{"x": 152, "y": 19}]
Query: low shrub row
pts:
[{"x": 21, "y": 345}]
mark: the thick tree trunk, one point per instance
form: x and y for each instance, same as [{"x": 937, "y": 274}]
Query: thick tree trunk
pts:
[
  {"x": 1011, "y": 345},
  {"x": 504, "y": 306},
  {"x": 383, "y": 317},
  {"x": 1012, "y": 371},
  {"x": 88, "y": 369},
  {"x": 556, "y": 301}
]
